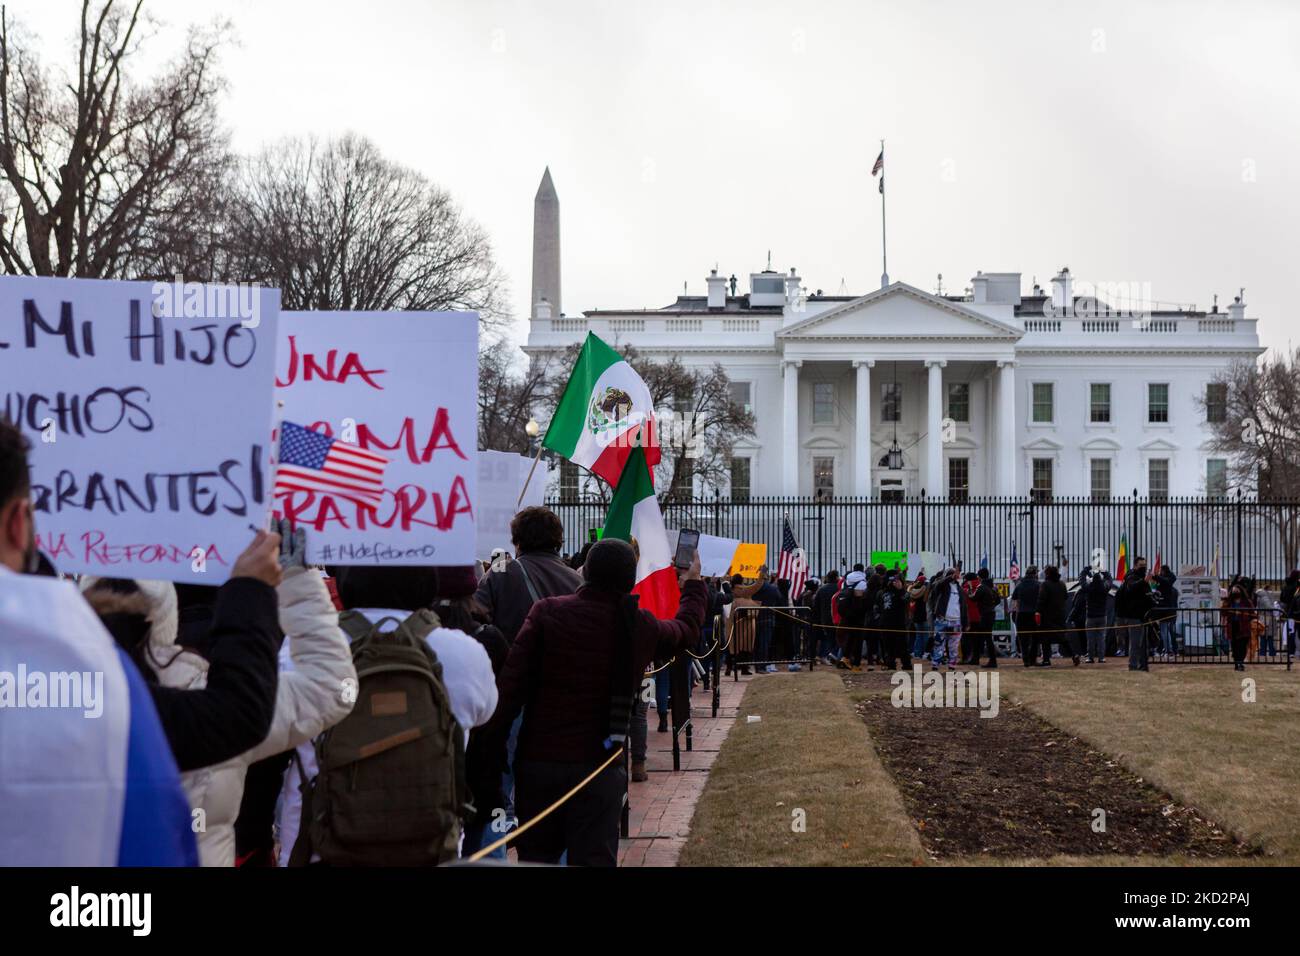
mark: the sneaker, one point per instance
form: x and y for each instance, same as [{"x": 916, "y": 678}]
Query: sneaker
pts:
[
  {"x": 842, "y": 664},
  {"x": 638, "y": 772},
  {"x": 771, "y": 668},
  {"x": 794, "y": 667},
  {"x": 663, "y": 723},
  {"x": 856, "y": 668}
]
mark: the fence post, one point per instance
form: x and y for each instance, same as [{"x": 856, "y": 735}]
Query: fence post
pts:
[
  {"x": 923, "y": 541},
  {"x": 1134, "y": 547},
  {"x": 1032, "y": 550},
  {"x": 1238, "y": 517}
]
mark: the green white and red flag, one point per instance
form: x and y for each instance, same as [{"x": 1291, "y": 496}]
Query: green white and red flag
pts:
[
  {"x": 634, "y": 516},
  {"x": 605, "y": 412}
]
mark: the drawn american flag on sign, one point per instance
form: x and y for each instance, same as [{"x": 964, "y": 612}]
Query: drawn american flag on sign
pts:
[
  {"x": 793, "y": 565},
  {"x": 310, "y": 461}
]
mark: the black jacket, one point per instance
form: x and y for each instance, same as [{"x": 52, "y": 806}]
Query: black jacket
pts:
[
  {"x": 822, "y": 604},
  {"x": 1078, "y": 615},
  {"x": 505, "y": 596},
  {"x": 1098, "y": 594},
  {"x": 937, "y": 601},
  {"x": 233, "y": 712},
  {"x": 1051, "y": 604},
  {"x": 988, "y": 599},
  {"x": 1026, "y": 597},
  {"x": 891, "y": 609},
  {"x": 1134, "y": 599}
]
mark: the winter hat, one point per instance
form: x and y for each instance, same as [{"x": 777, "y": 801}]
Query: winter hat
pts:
[{"x": 154, "y": 601}]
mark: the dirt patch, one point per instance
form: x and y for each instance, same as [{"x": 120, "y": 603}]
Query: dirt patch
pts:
[{"x": 1015, "y": 786}]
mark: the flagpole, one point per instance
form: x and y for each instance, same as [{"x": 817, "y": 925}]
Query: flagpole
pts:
[
  {"x": 536, "y": 458},
  {"x": 884, "y": 256}
]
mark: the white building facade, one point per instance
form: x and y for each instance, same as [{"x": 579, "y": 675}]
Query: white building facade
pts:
[{"x": 899, "y": 391}]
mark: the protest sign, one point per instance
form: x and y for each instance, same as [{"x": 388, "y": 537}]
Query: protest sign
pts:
[
  {"x": 500, "y": 476},
  {"x": 149, "y": 409},
  {"x": 747, "y": 559},
  {"x": 405, "y": 386}
]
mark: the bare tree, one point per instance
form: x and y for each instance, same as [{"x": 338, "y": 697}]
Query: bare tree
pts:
[
  {"x": 108, "y": 175},
  {"x": 1254, "y": 425},
  {"x": 507, "y": 395},
  {"x": 338, "y": 226}
]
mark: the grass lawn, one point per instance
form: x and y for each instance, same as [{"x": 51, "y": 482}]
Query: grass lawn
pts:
[
  {"x": 1188, "y": 731},
  {"x": 810, "y": 752}
]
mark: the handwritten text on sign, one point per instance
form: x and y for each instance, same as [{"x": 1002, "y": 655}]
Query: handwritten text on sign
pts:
[
  {"x": 403, "y": 385},
  {"x": 150, "y": 425}
]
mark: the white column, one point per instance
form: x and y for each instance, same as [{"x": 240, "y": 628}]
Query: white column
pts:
[
  {"x": 862, "y": 429},
  {"x": 790, "y": 431},
  {"x": 934, "y": 483},
  {"x": 1006, "y": 444}
]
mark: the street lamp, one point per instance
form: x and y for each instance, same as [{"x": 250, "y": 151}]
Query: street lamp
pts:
[{"x": 532, "y": 428}]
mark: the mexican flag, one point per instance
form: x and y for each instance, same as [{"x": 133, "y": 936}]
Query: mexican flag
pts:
[
  {"x": 1121, "y": 568},
  {"x": 634, "y": 516},
  {"x": 606, "y": 411}
]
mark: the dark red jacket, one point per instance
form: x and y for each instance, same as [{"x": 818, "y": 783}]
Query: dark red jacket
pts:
[{"x": 560, "y": 666}]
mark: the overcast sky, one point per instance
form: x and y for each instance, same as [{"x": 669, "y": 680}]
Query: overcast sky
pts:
[{"x": 1141, "y": 142}]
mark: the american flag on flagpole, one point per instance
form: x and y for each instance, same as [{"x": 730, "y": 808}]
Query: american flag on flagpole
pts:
[
  {"x": 793, "y": 565},
  {"x": 880, "y": 163},
  {"x": 1013, "y": 573},
  {"x": 310, "y": 461}
]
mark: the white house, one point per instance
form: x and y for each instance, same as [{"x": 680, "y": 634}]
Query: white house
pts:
[{"x": 1070, "y": 390}]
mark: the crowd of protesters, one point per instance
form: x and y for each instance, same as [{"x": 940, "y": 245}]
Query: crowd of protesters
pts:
[
  {"x": 875, "y": 617},
  {"x": 353, "y": 716}
]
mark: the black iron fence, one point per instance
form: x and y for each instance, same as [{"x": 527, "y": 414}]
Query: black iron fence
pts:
[{"x": 1231, "y": 535}]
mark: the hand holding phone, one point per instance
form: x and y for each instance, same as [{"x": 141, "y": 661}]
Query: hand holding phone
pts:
[{"x": 688, "y": 545}]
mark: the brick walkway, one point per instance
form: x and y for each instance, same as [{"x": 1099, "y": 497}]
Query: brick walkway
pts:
[{"x": 662, "y": 807}]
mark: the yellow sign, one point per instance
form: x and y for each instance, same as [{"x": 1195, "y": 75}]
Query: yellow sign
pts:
[
  {"x": 748, "y": 559},
  {"x": 1003, "y": 588}
]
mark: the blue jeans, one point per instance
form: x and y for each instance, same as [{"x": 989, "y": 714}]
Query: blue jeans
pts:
[
  {"x": 662, "y": 687},
  {"x": 942, "y": 629},
  {"x": 763, "y": 639},
  {"x": 479, "y": 835},
  {"x": 922, "y": 632}
]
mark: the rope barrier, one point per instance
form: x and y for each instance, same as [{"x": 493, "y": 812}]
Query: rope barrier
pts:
[
  {"x": 548, "y": 811},
  {"x": 1035, "y": 630}
]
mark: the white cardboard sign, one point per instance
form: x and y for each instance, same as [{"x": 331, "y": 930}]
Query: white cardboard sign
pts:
[
  {"x": 149, "y": 408},
  {"x": 403, "y": 385},
  {"x": 501, "y": 475}
]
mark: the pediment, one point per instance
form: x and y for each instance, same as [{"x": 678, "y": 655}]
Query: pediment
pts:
[{"x": 901, "y": 311}]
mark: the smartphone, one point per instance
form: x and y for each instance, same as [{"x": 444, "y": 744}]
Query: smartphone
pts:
[{"x": 688, "y": 542}]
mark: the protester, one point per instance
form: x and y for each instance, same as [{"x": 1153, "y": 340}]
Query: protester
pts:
[
  {"x": 1167, "y": 610},
  {"x": 988, "y": 599},
  {"x": 1024, "y": 601},
  {"x": 76, "y": 791},
  {"x": 577, "y": 663},
  {"x": 854, "y": 611},
  {"x": 769, "y": 596},
  {"x": 538, "y": 571},
  {"x": 1238, "y": 613},
  {"x": 309, "y": 697},
  {"x": 917, "y": 593},
  {"x": 827, "y": 649},
  {"x": 1132, "y": 604},
  {"x": 1050, "y": 616},
  {"x": 947, "y": 609},
  {"x": 1098, "y": 595},
  {"x": 892, "y": 615},
  {"x": 968, "y": 648},
  {"x": 414, "y": 787}
]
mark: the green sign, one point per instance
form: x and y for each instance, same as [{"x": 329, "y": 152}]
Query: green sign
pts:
[{"x": 892, "y": 560}]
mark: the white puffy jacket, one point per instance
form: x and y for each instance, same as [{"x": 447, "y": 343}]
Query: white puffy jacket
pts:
[{"x": 308, "y": 699}]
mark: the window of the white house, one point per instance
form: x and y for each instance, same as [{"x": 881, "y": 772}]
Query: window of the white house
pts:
[
  {"x": 823, "y": 403},
  {"x": 958, "y": 479},
  {"x": 959, "y": 401},
  {"x": 684, "y": 479},
  {"x": 568, "y": 481},
  {"x": 891, "y": 402},
  {"x": 1042, "y": 404},
  {"x": 740, "y": 479},
  {"x": 1099, "y": 478},
  {"x": 1158, "y": 479},
  {"x": 1216, "y": 402},
  {"x": 823, "y": 477},
  {"x": 1216, "y": 477},
  {"x": 1157, "y": 401},
  {"x": 742, "y": 394},
  {"x": 1099, "y": 402},
  {"x": 1041, "y": 488},
  {"x": 768, "y": 286}
]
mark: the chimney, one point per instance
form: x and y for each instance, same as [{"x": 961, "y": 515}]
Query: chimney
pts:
[
  {"x": 1238, "y": 308},
  {"x": 717, "y": 290},
  {"x": 979, "y": 288},
  {"x": 792, "y": 286},
  {"x": 1063, "y": 292}
]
